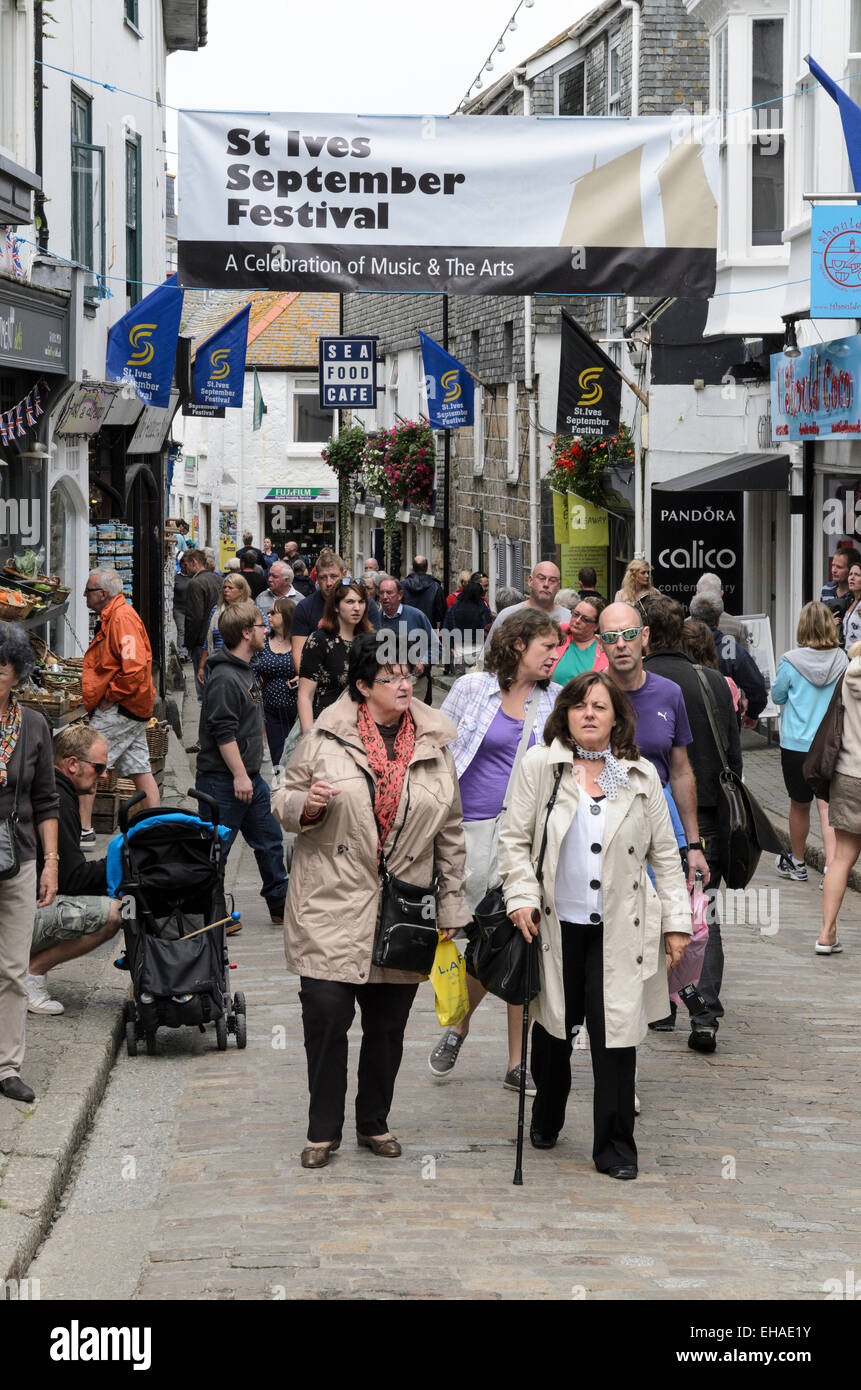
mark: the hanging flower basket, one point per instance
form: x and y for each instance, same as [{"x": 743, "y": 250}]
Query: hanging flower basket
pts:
[
  {"x": 409, "y": 458},
  {"x": 344, "y": 454},
  {"x": 375, "y": 480},
  {"x": 579, "y": 462}
]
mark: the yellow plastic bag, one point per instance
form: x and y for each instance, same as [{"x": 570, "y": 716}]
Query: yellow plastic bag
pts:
[{"x": 449, "y": 981}]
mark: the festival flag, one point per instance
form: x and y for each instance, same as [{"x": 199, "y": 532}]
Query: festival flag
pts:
[
  {"x": 142, "y": 344},
  {"x": 449, "y": 386},
  {"x": 590, "y": 388},
  {"x": 850, "y": 115},
  {"x": 259, "y": 403},
  {"x": 218, "y": 376}
]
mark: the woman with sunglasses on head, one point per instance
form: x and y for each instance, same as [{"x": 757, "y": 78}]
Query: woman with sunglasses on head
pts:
[
  {"x": 378, "y": 759},
  {"x": 326, "y": 654},
  {"x": 637, "y": 583},
  {"x": 581, "y": 651}
]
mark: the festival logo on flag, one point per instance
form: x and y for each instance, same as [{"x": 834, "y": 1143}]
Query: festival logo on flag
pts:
[
  {"x": 142, "y": 344},
  {"x": 218, "y": 377},
  {"x": 449, "y": 386},
  {"x": 590, "y": 388}
]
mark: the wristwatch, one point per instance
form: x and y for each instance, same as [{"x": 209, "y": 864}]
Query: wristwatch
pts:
[{"x": 696, "y": 844}]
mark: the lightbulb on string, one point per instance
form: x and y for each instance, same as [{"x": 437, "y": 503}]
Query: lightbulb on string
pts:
[{"x": 488, "y": 67}]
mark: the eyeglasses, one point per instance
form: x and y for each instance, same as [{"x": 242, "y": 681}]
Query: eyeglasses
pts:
[
  {"x": 94, "y": 589},
  {"x": 101, "y": 768},
  {"x": 258, "y": 624},
  {"x": 582, "y": 617},
  {"x": 611, "y": 638},
  {"x": 396, "y": 680}
]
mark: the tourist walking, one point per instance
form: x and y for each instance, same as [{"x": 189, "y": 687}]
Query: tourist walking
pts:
[
  {"x": 234, "y": 589},
  {"x": 377, "y": 759},
  {"x": 843, "y": 790},
  {"x": 608, "y": 935},
  {"x": 498, "y": 712},
  {"x": 636, "y": 583},
  {"x": 278, "y": 680},
  {"x": 326, "y": 653},
  {"x": 580, "y": 650},
  {"x": 803, "y": 686}
]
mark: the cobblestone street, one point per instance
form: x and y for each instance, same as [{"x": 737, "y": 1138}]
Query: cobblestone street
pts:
[{"x": 190, "y": 1185}]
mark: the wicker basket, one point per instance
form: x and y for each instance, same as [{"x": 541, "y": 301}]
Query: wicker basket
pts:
[
  {"x": 16, "y": 612},
  {"x": 157, "y": 740},
  {"x": 51, "y": 579}
]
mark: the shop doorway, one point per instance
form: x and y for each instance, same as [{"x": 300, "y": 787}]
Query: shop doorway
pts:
[{"x": 311, "y": 525}]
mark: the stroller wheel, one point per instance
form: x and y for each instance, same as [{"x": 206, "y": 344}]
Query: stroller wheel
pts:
[
  {"x": 131, "y": 1011},
  {"x": 241, "y": 1035},
  {"x": 131, "y": 1039},
  {"x": 221, "y": 1033},
  {"x": 151, "y": 1048},
  {"x": 239, "y": 1002}
]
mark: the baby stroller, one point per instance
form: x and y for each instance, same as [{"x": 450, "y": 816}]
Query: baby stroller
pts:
[{"x": 167, "y": 866}]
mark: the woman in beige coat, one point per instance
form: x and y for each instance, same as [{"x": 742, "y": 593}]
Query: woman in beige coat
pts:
[
  {"x": 606, "y": 935},
  {"x": 375, "y": 753}
]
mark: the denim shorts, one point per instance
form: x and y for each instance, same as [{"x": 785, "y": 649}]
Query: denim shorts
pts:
[{"x": 66, "y": 919}]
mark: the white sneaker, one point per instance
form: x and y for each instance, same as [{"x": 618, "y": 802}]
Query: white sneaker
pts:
[
  {"x": 636, "y": 1104},
  {"x": 39, "y": 1000}
]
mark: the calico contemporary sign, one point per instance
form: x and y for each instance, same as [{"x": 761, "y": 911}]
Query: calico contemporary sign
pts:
[{"x": 496, "y": 205}]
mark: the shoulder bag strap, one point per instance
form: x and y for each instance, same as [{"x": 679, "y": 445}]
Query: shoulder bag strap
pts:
[
  {"x": 708, "y": 700},
  {"x": 539, "y": 868},
  {"x": 530, "y": 715}
]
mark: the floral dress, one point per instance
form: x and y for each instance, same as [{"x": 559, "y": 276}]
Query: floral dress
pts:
[{"x": 324, "y": 659}]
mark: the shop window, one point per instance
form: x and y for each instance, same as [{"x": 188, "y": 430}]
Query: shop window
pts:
[
  {"x": 767, "y": 148},
  {"x": 311, "y": 425},
  {"x": 88, "y": 197},
  {"x": 571, "y": 91},
  {"x": 133, "y": 220}
]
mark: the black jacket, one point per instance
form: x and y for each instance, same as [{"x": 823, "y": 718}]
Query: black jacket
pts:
[
  {"x": 735, "y": 662},
  {"x": 704, "y": 756},
  {"x": 203, "y": 592},
  {"x": 232, "y": 711},
  {"x": 424, "y": 592},
  {"x": 79, "y": 877}
]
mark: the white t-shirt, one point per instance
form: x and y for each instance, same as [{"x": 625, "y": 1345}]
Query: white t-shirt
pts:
[
  {"x": 579, "y": 873},
  {"x": 852, "y": 628}
]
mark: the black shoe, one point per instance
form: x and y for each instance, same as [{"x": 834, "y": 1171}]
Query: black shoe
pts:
[
  {"x": 541, "y": 1141},
  {"x": 664, "y": 1025},
  {"x": 702, "y": 1039},
  {"x": 625, "y": 1171},
  {"x": 16, "y": 1089}
]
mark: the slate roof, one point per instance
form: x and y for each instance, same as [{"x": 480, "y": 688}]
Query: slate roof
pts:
[{"x": 283, "y": 329}]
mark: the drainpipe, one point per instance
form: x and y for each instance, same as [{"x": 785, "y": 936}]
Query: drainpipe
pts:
[
  {"x": 521, "y": 85},
  {"x": 639, "y": 500},
  {"x": 38, "y": 127}
]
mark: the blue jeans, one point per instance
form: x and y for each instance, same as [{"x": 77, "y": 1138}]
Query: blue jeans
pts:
[
  {"x": 259, "y": 827},
  {"x": 196, "y": 653}
]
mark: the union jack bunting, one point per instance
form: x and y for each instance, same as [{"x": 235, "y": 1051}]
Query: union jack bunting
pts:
[
  {"x": 29, "y": 411},
  {"x": 13, "y": 253},
  {"x": 37, "y": 400},
  {"x": 19, "y": 421},
  {"x": 4, "y": 432}
]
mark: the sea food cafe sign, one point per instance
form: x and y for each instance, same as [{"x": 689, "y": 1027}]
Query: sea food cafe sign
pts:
[{"x": 815, "y": 395}]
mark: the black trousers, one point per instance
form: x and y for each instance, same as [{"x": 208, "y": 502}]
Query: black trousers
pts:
[
  {"x": 328, "y": 1009},
  {"x": 613, "y": 1068}
]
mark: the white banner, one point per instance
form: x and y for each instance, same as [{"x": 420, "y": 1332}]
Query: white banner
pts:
[{"x": 472, "y": 205}]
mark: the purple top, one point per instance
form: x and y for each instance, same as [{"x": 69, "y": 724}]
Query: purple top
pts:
[
  {"x": 484, "y": 783},
  {"x": 662, "y": 721}
]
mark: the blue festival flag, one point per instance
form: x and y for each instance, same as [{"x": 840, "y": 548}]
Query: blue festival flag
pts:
[
  {"x": 142, "y": 344},
  {"x": 219, "y": 365},
  {"x": 850, "y": 115},
  {"x": 449, "y": 387}
]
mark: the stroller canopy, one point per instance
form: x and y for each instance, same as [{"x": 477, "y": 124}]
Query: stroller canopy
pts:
[{"x": 114, "y": 864}]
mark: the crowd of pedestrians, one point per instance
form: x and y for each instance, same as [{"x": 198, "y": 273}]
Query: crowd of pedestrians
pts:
[{"x": 590, "y": 737}]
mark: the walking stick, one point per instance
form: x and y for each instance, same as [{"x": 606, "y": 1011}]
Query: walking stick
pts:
[{"x": 521, "y": 1104}]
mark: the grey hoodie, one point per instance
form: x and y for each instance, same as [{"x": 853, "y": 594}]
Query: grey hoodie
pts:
[
  {"x": 232, "y": 710},
  {"x": 818, "y": 667}
]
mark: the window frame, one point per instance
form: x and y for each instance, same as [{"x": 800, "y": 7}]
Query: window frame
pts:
[
  {"x": 134, "y": 281},
  {"x": 579, "y": 62},
  {"x": 83, "y": 227},
  {"x": 614, "y": 97},
  {"x": 761, "y": 132},
  {"x": 305, "y": 386}
]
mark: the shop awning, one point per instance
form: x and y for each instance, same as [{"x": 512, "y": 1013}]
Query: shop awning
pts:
[{"x": 740, "y": 473}]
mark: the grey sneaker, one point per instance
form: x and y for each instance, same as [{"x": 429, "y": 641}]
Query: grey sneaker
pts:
[
  {"x": 512, "y": 1081},
  {"x": 88, "y": 839},
  {"x": 444, "y": 1055}
]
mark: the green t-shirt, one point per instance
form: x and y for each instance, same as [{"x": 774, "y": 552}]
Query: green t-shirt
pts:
[{"x": 574, "y": 661}]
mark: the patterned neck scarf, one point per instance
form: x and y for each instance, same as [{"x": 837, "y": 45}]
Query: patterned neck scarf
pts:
[
  {"x": 390, "y": 772},
  {"x": 614, "y": 775},
  {"x": 10, "y": 728}
]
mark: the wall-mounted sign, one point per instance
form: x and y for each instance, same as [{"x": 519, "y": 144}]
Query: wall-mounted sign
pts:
[
  {"x": 297, "y": 494},
  {"x": 348, "y": 373},
  {"x": 32, "y": 333},
  {"x": 835, "y": 262},
  {"x": 695, "y": 533},
  {"x": 815, "y": 395}
]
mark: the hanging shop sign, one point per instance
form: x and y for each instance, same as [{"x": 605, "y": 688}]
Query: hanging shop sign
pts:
[
  {"x": 815, "y": 395},
  {"x": 835, "y": 262},
  {"x": 692, "y": 536},
  {"x": 87, "y": 409},
  {"x": 152, "y": 428},
  {"x": 348, "y": 373},
  {"x": 501, "y": 205}
]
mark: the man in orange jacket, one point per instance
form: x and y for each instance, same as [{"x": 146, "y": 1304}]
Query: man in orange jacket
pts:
[{"x": 117, "y": 688}]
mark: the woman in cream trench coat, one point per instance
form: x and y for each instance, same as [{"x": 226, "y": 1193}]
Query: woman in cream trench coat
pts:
[{"x": 631, "y": 949}]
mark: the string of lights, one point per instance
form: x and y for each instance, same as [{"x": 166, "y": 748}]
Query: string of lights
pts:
[{"x": 498, "y": 47}]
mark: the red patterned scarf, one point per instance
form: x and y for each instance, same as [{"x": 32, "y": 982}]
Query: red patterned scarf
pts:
[
  {"x": 10, "y": 730},
  {"x": 390, "y": 772}
]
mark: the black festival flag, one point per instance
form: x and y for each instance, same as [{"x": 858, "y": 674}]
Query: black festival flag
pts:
[{"x": 590, "y": 387}]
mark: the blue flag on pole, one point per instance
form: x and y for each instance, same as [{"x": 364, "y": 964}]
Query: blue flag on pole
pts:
[
  {"x": 142, "y": 344},
  {"x": 449, "y": 387},
  {"x": 219, "y": 365},
  {"x": 850, "y": 115}
]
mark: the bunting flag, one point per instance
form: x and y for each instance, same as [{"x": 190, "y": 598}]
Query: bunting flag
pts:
[
  {"x": 850, "y": 115},
  {"x": 14, "y": 423},
  {"x": 259, "y": 403},
  {"x": 13, "y": 253},
  {"x": 142, "y": 344},
  {"x": 449, "y": 387},
  {"x": 19, "y": 421},
  {"x": 29, "y": 411},
  {"x": 218, "y": 376},
  {"x": 37, "y": 402},
  {"x": 4, "y": 433}
]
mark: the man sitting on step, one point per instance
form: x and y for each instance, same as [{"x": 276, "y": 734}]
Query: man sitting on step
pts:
[{"x": 81, "y": 916}]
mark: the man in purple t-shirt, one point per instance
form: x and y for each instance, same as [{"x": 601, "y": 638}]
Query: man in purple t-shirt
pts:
[{"x": 663, "y": 730}]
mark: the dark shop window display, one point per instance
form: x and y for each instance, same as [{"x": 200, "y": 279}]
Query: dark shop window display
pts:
[{"x": 313, "y": 526}]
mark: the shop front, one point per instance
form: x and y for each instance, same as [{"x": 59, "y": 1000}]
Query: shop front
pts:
[{"x": 306, "y": 515}]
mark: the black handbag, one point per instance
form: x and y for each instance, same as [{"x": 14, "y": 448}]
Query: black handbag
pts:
[
  {"x": 744, "y": 830},
  {"x": 496, "y": 953},
  {"x": 10, "y": 860},
  {"x": 407, "y": 935}
]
